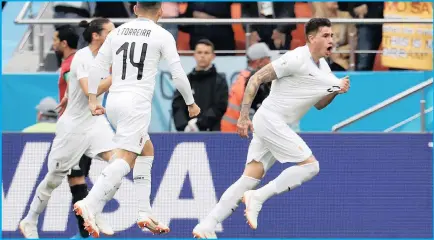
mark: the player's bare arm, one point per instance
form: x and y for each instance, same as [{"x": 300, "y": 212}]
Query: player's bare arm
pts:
[
  {"x": 344, "y": 87},
  {"x": 103, "y": 86},
  {"x": 63, "y": 102},
  {"x": 266, "y": 74},
  {"x": 94, "y": 106},
  {"x": 325, "y": 101}
]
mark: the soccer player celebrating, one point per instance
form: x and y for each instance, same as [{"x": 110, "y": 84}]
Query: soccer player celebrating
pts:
[{"x": 300, "y": 79}]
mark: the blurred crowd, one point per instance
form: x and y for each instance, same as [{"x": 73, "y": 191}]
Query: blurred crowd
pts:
[{"x": 233, "y": 37}]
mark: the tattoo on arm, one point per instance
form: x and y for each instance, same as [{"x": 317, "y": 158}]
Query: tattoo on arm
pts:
[{"x": 266, "y": 74}]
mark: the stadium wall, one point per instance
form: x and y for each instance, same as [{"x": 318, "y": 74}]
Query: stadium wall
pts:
[
  {"x": 24, "y": 91},
  {"x": 370, "y": 186}
]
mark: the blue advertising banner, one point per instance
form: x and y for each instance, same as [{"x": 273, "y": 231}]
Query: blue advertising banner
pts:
[{"x": 370, "y": 185}]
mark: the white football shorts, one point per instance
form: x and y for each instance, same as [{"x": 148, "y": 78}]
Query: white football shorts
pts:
[
  {"x": 68, "y": 147},
  {"x": 130, "y": 115},
  {"x": 274, "y": 140}
]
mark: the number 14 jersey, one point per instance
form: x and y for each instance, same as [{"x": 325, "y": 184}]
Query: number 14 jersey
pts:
[{"x": 135, "y": 49}]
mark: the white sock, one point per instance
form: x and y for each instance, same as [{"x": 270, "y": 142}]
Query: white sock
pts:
[
  {"x": 108, "y": 197},
  {"x": 42, "y": 195},
  {"x": 142, "y": 182},
  {"x": 229, "y": 201},
  {"x": 289, "y": 179},
  {"x": 32, "y": 216},
  {"x": 39, "y": 202},
  {"x": 110, "y": 177}
]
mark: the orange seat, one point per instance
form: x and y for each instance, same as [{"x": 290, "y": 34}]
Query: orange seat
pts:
[
  {"x": 182, "y": 43},
  {"x": 239, "y": 33},
  {"x": 302, "y": 10}
]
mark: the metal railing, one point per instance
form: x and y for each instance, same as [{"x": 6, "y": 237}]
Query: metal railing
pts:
[
  {"x": 29, "y": 33},
  {"x": 227, "y": 21},
  {"x": 247, "y": 21},
  {"x": 402, "y": 123},
  {"x": 388, "y": 102}
]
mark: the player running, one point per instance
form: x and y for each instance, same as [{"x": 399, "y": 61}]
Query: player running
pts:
[
  {"x": 300, "y": 79},
  {"x": 65, "y": 41},
  {"x": 134, "y": 50},
  {"x": 77, "y": 132}
]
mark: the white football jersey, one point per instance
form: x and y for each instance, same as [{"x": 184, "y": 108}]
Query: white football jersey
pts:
[
  {"x": 135, "y": 49},
  {"x": 300, "y": 84},
  {"x": 77, "y": 117}
]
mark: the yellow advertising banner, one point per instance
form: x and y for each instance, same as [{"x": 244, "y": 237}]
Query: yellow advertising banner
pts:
[{"x": 407, "y": 46}]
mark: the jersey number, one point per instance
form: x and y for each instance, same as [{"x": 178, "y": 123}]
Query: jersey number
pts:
[{"x": 139, "y": 65}]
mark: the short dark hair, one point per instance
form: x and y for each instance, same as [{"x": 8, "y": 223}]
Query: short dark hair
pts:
[
  {"x": 205, "y": 42},
  {"x": 314, "y": 24},
  {"x": 67, "y": 33},
  {"x": 149, "y": 5},
  {"x": 95, "y": 26}
]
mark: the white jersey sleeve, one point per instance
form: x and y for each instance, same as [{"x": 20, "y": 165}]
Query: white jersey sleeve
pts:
[
  {"x": 101, "y": 65},
  {"x": 169, "y": 50},
  {"x": 82, "y": 69},
  {"x": 288, "y": 64},
  {"x": 180, "y": 80}
]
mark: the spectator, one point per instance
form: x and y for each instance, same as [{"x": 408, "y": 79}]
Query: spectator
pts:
[
  {"x": 65, "y": 42},
  {"x": 277, "y": 37},
  {"x": 114, "y": 10},
  {"x": 221, "y": 35},
  {"x": 258, "y": 56},
  {"x": 171, "y": 10},
  {"x": 369, "y": 36},
  {"x": 342, "y": 33},
  {"x": 72, "y": 10},
  {"x": 46, "y": 117},
  {"x": 210, "y": 91}
]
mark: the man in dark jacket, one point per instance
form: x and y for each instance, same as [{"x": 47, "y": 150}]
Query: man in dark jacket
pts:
[
  {"x": 369, "y": 36},
  {"x": 210, "y": 91},
  {"x": 222, "y": 36},
  {"x": 277, "y": 37}
]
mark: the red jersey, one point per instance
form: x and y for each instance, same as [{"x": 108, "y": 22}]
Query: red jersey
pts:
[{"x": 64, "y": 69}]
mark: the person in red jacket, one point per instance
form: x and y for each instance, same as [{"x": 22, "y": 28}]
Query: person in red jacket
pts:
[{"x": 65, "y": 42}]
